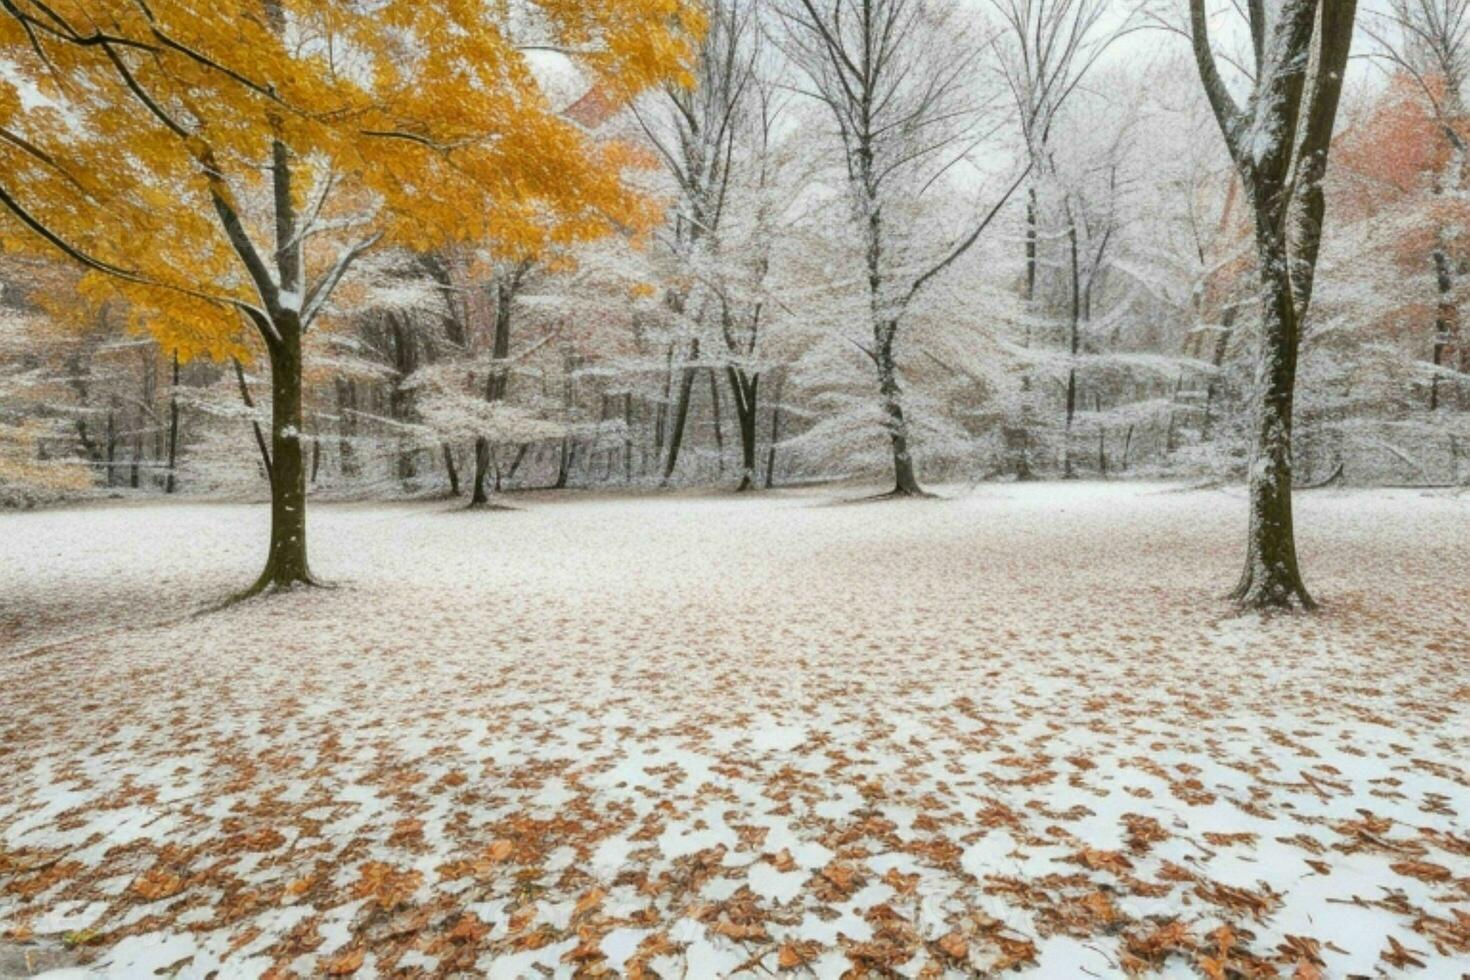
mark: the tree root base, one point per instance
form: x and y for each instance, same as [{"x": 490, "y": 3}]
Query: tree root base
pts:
[
  {"x": 1272, "y": 597},
  {"x": 270, "y": 585}
]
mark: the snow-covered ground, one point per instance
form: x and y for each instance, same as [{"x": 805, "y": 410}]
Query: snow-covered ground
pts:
[{"x": 696, "y": 734}]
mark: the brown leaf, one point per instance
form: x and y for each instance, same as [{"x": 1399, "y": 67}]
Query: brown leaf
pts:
[
  {"x": 157, "y": 883},
  {"x": 346, "y": 964},
  {"x": 1423, "y": 870},
  {"x": 953, "y": 944}
]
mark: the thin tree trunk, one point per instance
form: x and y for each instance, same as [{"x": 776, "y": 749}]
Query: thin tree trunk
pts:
[
  {"x": 451, "y": 469},
  {"x": 628, "y": 437},
  {"x": 775, "y": 431},
  {"x": 111, "y": 441},
  {"x": 173, "y": 428},
  {"x": 681, "y": 413},
  {"x": 265, "y": 453},
  {"x": 1446, "y": 320},
  {"x": 1072, "y": 361},
  {"x": 714, "y": 395}
]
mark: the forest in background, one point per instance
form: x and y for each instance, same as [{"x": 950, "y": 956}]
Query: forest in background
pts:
[{"x": 1104, "y": 325}]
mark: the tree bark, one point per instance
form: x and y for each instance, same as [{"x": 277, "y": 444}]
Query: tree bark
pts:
[
  {"x": 745, "y": 387},
  {"x": 1298, "y": 87},
  {"x": 1272, "y": 578},
  {"x": 775, "y": 431},
  {"x": 681, "y": 413},
  {"x": 1072, "y": 361},
  {"x": 1446, "y": 321},
  {"x": 173, "y": 428},
  {"x": 451, "y": 469},
  {"x": 286, "y": 565},
  {"x": 905, "y": 481}
]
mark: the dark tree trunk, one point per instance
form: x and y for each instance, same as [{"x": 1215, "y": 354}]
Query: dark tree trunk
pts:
[
  {"x": 478, "y": 496},
  {"x": 1272, "y": 578},
  {"x": 173, "y": 428},
  {"x": 1446, "y": 321},
  {"x": 775, "y": 431},
  {"x": 451, "y": 469},
  {"x": 265, "y": 453},
  {"x": 286, "y": 563},
  {"x": 515, "y": 464},
  {"x": 746, "y": 387},
  {"x": 681, "y": 413},
  {"x": 1296, "y": 95}
]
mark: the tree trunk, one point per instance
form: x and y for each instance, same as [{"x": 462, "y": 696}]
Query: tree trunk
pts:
[
  {"x": 286, "y": 563},
  {"x": 714, "y": 396},
  {"x": 775, "y": 431},
  {"x": 681, "y": 413},
  {"x": 478, "y": 496},
  {"x": 905, "y": 482},
  {"x": 1446, "y": 321},
  {"x": 1272, "y": 578},
  {"x": 173, "y": 428},
  {"x": 451, "y": 469},
  {"x": 400, "y": 398},
  {"x": 628, "y": 437},
  {"x": 111, "y": 441},
  {"x": 1076, "y": 327},
  {"x": 745, "y": 388}
]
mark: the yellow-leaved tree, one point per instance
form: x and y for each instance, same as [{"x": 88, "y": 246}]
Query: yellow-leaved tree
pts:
[{"x": 221, "y": 164}]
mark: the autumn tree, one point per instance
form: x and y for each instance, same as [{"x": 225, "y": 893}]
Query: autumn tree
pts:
[
  {"x": 1426, "y": 44},
  {"x": 228, "y": 163},
  {"x": 1279, "y": 141}
]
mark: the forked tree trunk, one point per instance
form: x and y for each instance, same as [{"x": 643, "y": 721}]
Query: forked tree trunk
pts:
[
  {"x": 746, "y": 387},
  {"x": 1301, "y": 59}
]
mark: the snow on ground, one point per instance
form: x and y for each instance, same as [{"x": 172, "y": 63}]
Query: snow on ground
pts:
[{"x": 694, "y": 735}]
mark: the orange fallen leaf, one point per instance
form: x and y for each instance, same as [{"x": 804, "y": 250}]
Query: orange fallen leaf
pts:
[
  {"x": 346, "y": 964},
  {"x": 954, "y": 945}
]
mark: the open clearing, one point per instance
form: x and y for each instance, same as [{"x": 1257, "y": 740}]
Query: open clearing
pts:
[{"x": 1015, "y": 728}]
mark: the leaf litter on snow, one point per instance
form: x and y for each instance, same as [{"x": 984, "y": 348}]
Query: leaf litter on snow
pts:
[{"x": 678, "y": 737}]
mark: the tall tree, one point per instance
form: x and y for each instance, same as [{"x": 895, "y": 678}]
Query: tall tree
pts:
[
  {"x": 1279, "y": 142},
  {"x": 898, "y": 77},
  {"x": 1428, "y": 42},
  {"x": 231, "y": 161}
]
